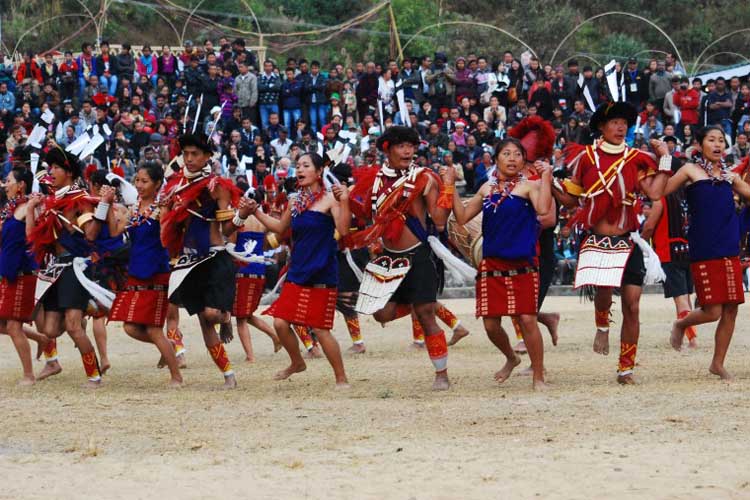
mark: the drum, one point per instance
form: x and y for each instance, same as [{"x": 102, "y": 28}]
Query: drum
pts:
[{"x": 467, "y": 238}]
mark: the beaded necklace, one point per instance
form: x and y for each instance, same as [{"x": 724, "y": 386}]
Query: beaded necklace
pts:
[
  {"x": 505, "y": 192},
  {"x": 138, "y": 217},
  {"x": 726, "y": 175},
  {"x": 305, "y": 199},
  {"x": 10, "y": 207}
]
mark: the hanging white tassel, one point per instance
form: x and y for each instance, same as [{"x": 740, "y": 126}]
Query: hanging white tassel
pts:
[
  {"x": 100, "y": 294},
  {"x": 248, "y": 258},
  {"x": 458, "y": 268},
  {"x": 353, "y": 265},
  {"x": 269, "y": 297},
  {"x": 654, "y": 272}
]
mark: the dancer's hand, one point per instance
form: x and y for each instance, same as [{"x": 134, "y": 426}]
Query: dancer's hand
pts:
[
  {"x": 340, "y": 192},
  {"x": 244, "y": 207},
  {"x": 107, "y": 194},
  {"x": 34, "y": 200},
  {"x": 543, "y": 168},
  {"x": 448, "y": 175},
  {"x": 660, "y": 147}
]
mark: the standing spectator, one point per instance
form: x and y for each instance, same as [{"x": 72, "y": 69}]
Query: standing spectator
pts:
[
  {"x": 572, "y": 80},
  {"x": 592, "y": 84},
  {"x": 367, "y": 91},
  {"x": 386, "y": 94},
  {"x": 246, "y": 88},
  {"x": 741, "y": 113},
  {"x": 29, "y": 72},
  {"x": 291, "y": 99},
  {"x": 7, "y": 105},
  {"x": 636, "y": 84},
  {"x": 86, "y": 63},
  {"x": 315, "y": 92},
  {"x": 671, "y": 113},
  {"x": 687, "y": 100},
  {"x": 481, "y": 79},
  {"x": 147, "y": 65},
  {"x": 659, "y": 84},
  {"x": 210, "y": 89},
  {"x": 68, "y": 71},
  {"x": 741, "y": 148},
  {"x": 411, "y": 79},
  {"x": 107, "y": 65},
  {"x": 442, "y": 81},
  {"x": 125, "y": 63},
  {"x": 719, "y": 103},
  {"x": 167, "y": 66},
  {"x": 269, "y": 87},
  {"x": 49, "y": 69},
  {"x": 465, "y": 83}
]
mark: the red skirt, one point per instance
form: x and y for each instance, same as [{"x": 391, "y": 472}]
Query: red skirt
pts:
[
  {"x": 247, "y": 294},
  {"x": 718, "y": 281},
  {"x": 312, "y": 306},
  {"x": 17, "y": 298},
  {"x": 143, "y": 302},
  {"x": 506, "y": 288}
]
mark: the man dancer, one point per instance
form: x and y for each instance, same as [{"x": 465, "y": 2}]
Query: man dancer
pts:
[
  {"x": 198, "y": 217},
  {"x": 605, "y": 178},
  {"x": 404, "y": 201}
]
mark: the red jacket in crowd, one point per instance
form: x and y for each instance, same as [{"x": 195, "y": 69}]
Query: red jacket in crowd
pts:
[
  {"x": 688, "y": 101},
  {"x": 30, "y": 70}
]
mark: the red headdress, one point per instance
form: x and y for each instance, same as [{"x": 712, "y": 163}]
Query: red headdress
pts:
[{"x": 536, "y": 135}]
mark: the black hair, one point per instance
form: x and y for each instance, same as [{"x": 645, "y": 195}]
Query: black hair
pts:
[
  {"x": 154, "y": 170},
  {"x": 99, "y": 178},
  {"x": 317, "y": 160},
  {"x": 702, "y": 133},
  {"x": 505, "y": 142},
  {"x": 22, "y": 174},
  {"x": 64, "y": 160}
]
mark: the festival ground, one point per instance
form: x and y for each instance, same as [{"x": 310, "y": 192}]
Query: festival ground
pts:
[{"x": 679, "y": 434}]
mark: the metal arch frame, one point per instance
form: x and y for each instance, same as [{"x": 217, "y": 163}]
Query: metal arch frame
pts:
[
  {"x": 171, "y": 24},
  {"x": 469, "y": 23},
  {"x": 578, "y": 54},
  {"x": 617, "y": 13},
  {"x": 190, "y": 15},
  {"x": 737, "y": 54},
  {"x": 648, "y": 51},
  {"x": 43, "y": 21},
  {"x": 721, "y": 38}
]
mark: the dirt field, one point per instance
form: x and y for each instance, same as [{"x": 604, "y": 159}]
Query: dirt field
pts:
[{"x": 679, "y": 434}]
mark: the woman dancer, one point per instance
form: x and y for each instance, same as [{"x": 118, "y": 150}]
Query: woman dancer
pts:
[
  {"x": 508, "y": 279},
  {"x": 142, "y": 304},
  {"x": 308, "y": 296}
]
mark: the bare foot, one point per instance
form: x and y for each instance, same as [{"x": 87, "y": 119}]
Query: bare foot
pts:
[
  {"x": 675, "y": 338},
  {"x": 92, "y": 384},
  {"x": 459, "y": 333},
  {"x": 601, "y": 342},
  {"x": 182, "y": 361},
  {"x": 357, "y": 349},
  {"x": 26, "y": 381},
  {"x": 225, "y": 332},
  {"x": 289, "y": 371},
  {"x": 175, "y": 383},
  {"x": 626, "y": 379},
  {"x": 722, "y": 372},
  {"x": 230, "y": 382},
  {"x": 417, "y": 345},
  {"x": 504, "y": 372},
  {"x": 314, "y": 353},
  {"x": 441, "y": 382},
  {"x": 249, "y": 359},
  {"x": 552, "y": 327},
  {"x": 50, "y": 368},
  {"x": 520, "y": 347},
  {"x": 276, "y": 343},
  {"x": 540, "y": 385},
  {"x": 342, "y": 385},
  {"x": 104, "y": 366},
  {"x": 693, "y": 344}
]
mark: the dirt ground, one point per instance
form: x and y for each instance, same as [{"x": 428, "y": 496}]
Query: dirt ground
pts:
[{"x": 679, "y": 434}]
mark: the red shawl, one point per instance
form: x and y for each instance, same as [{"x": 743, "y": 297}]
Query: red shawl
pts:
[
  {"x": 49, "y": 226},
  {"x": 181, "y": 196}
]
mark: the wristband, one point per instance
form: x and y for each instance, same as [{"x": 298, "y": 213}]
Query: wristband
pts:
[
  {"x": 238, "y": 221},
  {"x": 101, "y": 211},
  {"x": 665, "y": 163}
]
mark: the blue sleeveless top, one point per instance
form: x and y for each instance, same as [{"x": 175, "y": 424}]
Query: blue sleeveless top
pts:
[
  {"x": 511, "y": 230},
  {"x": 74, "y": 243},
  {"x": 254, "y": 240},
  {"x": 105, "y": 243},
  {"x": 313, "y": 260},
  {"x": 197, "y": 237},
  {"x": 147, "y": 256},
  {"x": 714, "y": 230},
  {"x": 14, "y": 255}
]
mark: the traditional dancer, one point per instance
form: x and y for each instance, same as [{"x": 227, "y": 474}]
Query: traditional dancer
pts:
[
  {"x": 443, "y": 314},
  {"x": 405, "y": 201},
  {"x": 308, "y": 296},
  {"x": 250, "y": 281},
  {"x": 142, "y": 303},
  {"x": 351, "y": 264},
  {"x": 61, "y": 233},
  {"x": 197, "y": 217},
  {"x": 605, "y": 178},
  {"x": 666, "y": 226},
  {"x": 17, "y": 280},
  {"x": 714, "y": 243},
  {"x": 508, "y": 279}
]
